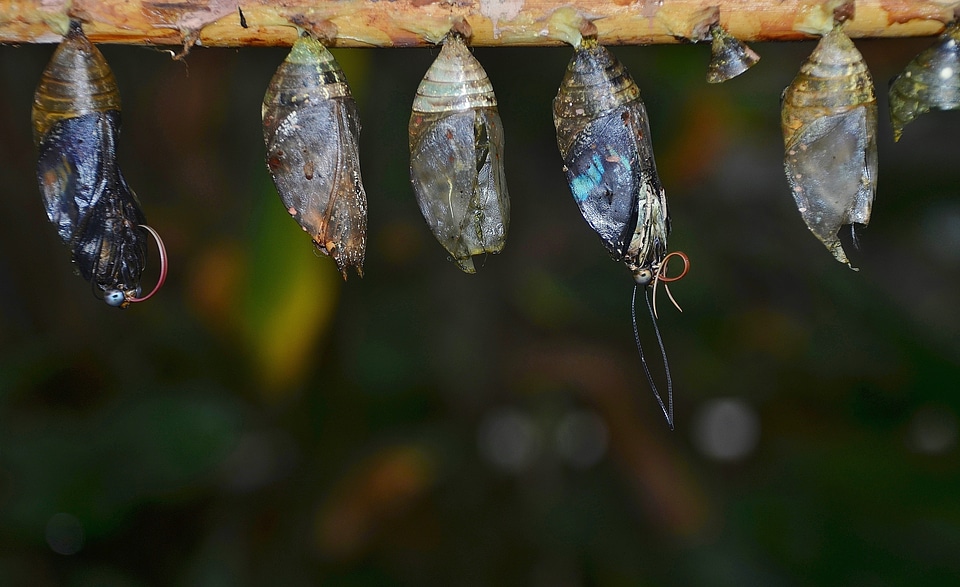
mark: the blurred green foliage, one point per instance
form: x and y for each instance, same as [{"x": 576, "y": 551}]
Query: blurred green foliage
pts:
[{"x": 262, "y": 423}]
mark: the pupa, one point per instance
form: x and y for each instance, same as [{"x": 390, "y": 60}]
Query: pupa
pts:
[
  {"x": 456, "y": 155},
  {"x": 931, "y": 81},
  {"x": 311, "y": 128},
  {"x": 76, "y": 123},
  {"x": 829, "y": 122}
]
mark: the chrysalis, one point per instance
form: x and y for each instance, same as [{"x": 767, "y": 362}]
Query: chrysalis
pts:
[
  {"x": 456, "y": 155},
  {"x": 76, "y": 121},
  {"x": 604, "y": 139},
  {"x": 829, "y": 120},
  {"x": 311, "y": 129},
  {"x": 930, "y": 82},
  {"x": 729, "y": 57}
]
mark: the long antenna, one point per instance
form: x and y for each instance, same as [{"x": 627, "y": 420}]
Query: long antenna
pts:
[{"x": 668, "y": 408}]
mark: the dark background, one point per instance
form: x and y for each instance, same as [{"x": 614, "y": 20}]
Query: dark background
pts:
[{"x": 260, "y": 422}]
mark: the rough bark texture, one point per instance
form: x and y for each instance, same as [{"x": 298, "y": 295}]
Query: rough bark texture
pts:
[{"x": 404, "y": 23}]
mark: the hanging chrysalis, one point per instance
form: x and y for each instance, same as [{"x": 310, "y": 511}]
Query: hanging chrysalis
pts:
[
  {"x": 930, "y": 82},
  {"x": 311, "y": 129},
  {"x": 604, "y": 139},
  {"x": 76, "y": 121},
  {"x": 729, "y": 57},
  {"x": 456, "y": 155},
  {"x": 829, "y": 120}
]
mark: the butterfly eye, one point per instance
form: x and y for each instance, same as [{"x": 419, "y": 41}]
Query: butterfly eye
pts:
[
  {"x": 643, "y": 277},
  {"x": 311, "y": 128},
  {"x": 456, "y": 155},
  {"x": 829, "y": 121},
  {"x": 76, "y": 123},
  {"x": 114, "y": 297}
]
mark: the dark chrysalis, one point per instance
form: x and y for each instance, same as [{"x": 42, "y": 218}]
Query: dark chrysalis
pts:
[
  {"x": 930, "y": 82},
  {"x": 456, "y": 155},
  {"x": 829, "y": 120},
  {"x": 76, "y": 121},
  {"x": 729, "y": 57},
  {"x": 311, "y": 129},
  {"x": 604, "y": 139}
]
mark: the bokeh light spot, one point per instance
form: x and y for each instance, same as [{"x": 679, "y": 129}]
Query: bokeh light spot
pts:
[
  {"x": 582, "y": 438},
  {"x": 933, "y": 429},
  {"x": 64, "y": 534},
  {"x": 726, "y": 429},
  {"x": 508, "y": 439}
]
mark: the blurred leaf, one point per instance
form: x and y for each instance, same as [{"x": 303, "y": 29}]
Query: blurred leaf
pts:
[
  {"x": 289, "y": 301},
  {"x": 376, "y": 490},
  {"x": 100, "y": 468}
]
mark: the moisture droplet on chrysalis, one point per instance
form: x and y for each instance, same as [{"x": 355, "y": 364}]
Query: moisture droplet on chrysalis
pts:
[
  {"x": 829, "y": 121},
  {"x": 311, "y": 129},
  {"x": 456, "y": 155},
  {"x": 930, "y": 82},
  {"x": 76, "y": 122},
  {"x": 729, "y": 57}
]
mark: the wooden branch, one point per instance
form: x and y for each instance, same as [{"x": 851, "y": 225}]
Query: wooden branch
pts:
[{"x": 406, "y": 23}]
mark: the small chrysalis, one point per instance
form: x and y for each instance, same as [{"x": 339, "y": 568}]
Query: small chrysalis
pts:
[
  {"x": 456, "y": 155},
  {"x": 829, "y": 121},
  {"x": 930, "y": 82},
  {"x": 729, "y": 57},
  {"x": 76, "y": 122},
  {"x": 311, "y": 129},
  {"x": 604, "y": 139}
]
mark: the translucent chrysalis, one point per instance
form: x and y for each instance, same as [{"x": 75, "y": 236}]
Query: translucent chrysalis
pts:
[
  {"x": 311, "y": 129},
  {"x": 456, "y": 155},
  {"x": 829, "y": 121},
  {"x": 76, "y": 122},
  {"x": 930, "y": 82}
]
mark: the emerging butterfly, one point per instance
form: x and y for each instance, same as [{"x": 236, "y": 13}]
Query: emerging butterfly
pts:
[
  {"x": 829, "y": 121},
  {"x": 456, "y": 155},
  {"x": 604, "y": 139},
  {"x": 930, "y": 82},
  {"x": 312, "y": 129},
  {"x": 76, "y": 121}
]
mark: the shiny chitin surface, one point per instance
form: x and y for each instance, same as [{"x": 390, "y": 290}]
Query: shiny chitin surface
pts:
[
  {"x": 311, "y": 129},
  {"x": 76, "y": 121},
  {"x": 456, "y": 156},
  {"x": 729, "y": 57},
  {"x": 829, "y": 121},
  {"x": 604, "y": 139},
  {"x": 930, "y": 82}
]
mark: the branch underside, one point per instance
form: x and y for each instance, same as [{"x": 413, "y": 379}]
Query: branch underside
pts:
[{"x": 407, "y": 23}]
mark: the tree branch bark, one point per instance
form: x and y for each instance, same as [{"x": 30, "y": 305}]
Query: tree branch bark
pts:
[{"x": 406, "y": 23}]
